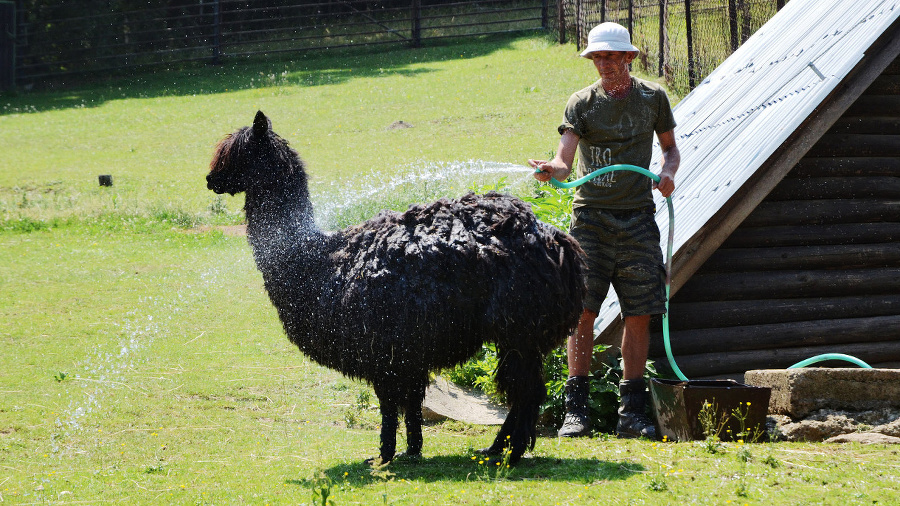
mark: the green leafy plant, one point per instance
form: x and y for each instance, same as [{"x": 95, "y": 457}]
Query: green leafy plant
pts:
[
  {"x": 500, "y": 186},
  {"x": 321, "y": 486},
  {"x": 552, "y": 205},
  {"x": 746, "y": 434},
  {"x": 380, "y": 472},
  {"x": 478, "y": 372},
  {"x": 712, "y": 425}
]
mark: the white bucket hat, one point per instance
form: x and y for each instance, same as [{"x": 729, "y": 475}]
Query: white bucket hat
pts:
[{"x": 608, "y": 37}]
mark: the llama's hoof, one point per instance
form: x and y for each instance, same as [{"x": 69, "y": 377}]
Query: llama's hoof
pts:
[
  {"x": 497, "y": 458},
  {"x": 490, "y": 451}
]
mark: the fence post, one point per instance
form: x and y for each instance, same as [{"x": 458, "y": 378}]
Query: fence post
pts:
[
  {"x": 217, "y": 32},
  {"x": 561, "y": 14},
  {"x": 690, "y": 43},
  {"x": 663, "y": 36},
  {"x": 733, "y": 24},
  {"x": 745, "y": 20},
  {"x": 544, "y": 14},
  {"x": 416, "y": 23},
  {"x": 779, "y": 4},
  {"x": 7, "y": 46},
  {"x": 631, "y": 18},
  {"x": 579, "y": 31},
  {"x": 603, "y": 11}
]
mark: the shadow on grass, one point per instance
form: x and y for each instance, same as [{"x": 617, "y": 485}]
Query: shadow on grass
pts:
[
  {"x": 314, "y": 68},
  {"x": 463, "y": 468}
]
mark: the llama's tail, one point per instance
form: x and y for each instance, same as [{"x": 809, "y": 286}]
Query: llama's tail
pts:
[{"x": 564, "y": 292}]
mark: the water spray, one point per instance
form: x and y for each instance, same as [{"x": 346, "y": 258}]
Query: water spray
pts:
[{"x": 669, "y": 241}]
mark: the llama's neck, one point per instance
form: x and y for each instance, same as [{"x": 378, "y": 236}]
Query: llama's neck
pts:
[{"x": 280, "y": 225}]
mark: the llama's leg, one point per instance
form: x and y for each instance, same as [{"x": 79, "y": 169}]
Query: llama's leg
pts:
[
  {"x": 413, "y": 420},
  {"x": 520, "y": 375},
  {"x": 388, "y": 428},
  {"x": 504, "y": 435}
]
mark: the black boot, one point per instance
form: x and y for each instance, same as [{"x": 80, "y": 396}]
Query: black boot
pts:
[
  {"x": 633, "y": 421},
  {"x": 578, "y": 420}
]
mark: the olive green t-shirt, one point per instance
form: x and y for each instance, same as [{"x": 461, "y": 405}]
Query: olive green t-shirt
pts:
[{"x": 614, "y": 131}]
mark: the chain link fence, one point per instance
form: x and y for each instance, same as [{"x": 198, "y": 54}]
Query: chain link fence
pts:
[{"x": 681, "y": 41}]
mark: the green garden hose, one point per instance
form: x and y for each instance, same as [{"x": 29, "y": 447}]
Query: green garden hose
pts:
[{"x": 665, "y": 319}]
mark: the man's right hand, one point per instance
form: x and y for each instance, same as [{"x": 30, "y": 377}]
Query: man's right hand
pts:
[{"x": 545, "y": 170}]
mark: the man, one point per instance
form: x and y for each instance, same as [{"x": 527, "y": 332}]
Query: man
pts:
[{"x": 613, "y": 122}]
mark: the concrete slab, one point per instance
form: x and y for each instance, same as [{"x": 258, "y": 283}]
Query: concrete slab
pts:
[
  {"x": 798, "y": 392},
  {"x": 444, "y": 399}
]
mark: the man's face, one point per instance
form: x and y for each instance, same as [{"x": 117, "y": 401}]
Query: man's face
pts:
[{"x": 612, "y": 64}]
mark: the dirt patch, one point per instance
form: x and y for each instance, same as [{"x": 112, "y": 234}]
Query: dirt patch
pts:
[{"x": 398, "y": 125}]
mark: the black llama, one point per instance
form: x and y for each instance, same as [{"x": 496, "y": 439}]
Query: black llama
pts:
[{"x": 404, "y": 294}]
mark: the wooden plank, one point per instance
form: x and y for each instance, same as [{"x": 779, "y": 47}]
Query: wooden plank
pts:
[
  {"x": 887, "y": 187},
  {"x": 846, "y": 166},
  {"x": 780, "y": 335},
  {"x": 867, "y": 125},
  {"x": 709, "y": 364},
  {"x": 712, "y": 314},
  {"x": 875, "y": 105},
  {"x": 793, "y": 235},
  {"x": 790, "y": 284},
  {"x": 885, "y": 84},
  {"x": 885, "y": 365},
  {"x": 812, "y": 212},
  {"x": 830, "y": 256},
  {"x": 893, "y": 68},
  {"x": 857, "y": 145}
]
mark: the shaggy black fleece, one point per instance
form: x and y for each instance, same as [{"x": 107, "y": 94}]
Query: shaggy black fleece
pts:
[{"x": 403, "y": 294}]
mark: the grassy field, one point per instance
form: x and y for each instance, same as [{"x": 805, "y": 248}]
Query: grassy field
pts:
[{"x": 143, "y": 364}]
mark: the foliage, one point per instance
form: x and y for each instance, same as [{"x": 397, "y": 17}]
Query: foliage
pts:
[
  {"x": 603, "y": 401},
  {"x": 478, "y": 372},
  {"x": 552, "y": 205}
]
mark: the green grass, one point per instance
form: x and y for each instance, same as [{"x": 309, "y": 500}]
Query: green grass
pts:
[
  {"x": 143, "y": 364},
  {"x": 498, "y": 100}
]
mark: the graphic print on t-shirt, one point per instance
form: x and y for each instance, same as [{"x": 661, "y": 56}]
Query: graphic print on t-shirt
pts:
[{"x": 600, "y": 158}]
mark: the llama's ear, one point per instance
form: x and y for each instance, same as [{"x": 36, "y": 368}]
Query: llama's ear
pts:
[{"x": 261, "y": 123}]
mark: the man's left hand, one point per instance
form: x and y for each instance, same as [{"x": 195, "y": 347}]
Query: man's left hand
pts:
[{"x": 666, "y": 184}]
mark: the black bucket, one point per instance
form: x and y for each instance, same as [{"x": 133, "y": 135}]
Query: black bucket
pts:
[{"x": 740, "y": 410}]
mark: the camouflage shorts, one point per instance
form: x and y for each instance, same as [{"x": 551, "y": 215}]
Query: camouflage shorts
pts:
[{"x": 622, "y": 248}]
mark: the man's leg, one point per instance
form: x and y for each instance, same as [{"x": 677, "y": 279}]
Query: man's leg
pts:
[
  {"x": 579, "y": 352},
  {"x": 633, "y": 422},
  {"x": 635, "y": 346},
  {"x": 580, "y": 347}
]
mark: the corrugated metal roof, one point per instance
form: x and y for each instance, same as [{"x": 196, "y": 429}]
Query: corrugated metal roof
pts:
[{"x": 743, "y": 112}]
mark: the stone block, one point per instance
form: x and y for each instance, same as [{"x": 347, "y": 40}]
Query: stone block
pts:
[{"x": 798, "y": 392}]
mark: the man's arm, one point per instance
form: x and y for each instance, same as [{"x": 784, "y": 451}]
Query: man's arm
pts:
[
  {"x": 671, "y": 161},
  {"x": 561, "y": 165}
]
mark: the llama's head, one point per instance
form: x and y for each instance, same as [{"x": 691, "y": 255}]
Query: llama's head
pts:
[{"x": 253, "y": 158}]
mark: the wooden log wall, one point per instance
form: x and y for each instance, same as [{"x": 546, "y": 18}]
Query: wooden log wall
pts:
[{"x": 815, "y": 268}]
